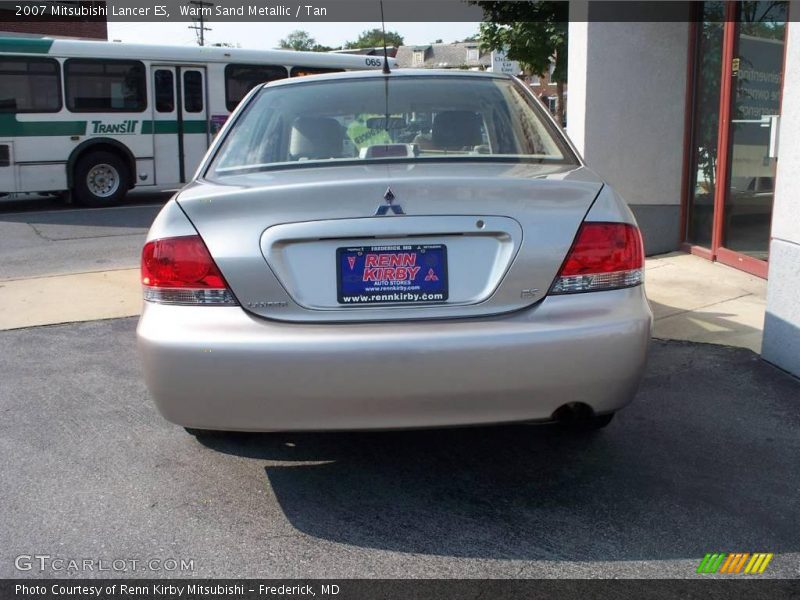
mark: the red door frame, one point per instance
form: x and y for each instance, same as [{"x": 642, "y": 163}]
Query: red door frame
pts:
[{"x": 717, "y": 251}]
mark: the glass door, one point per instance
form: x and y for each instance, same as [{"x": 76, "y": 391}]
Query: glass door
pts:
[
  {"x": 165, "y": 125},
  {"x": 703, "y": 158},
  {"x": 193, "y": 115},
  {"x": 756, "y": 72},
  {"x": 738, "y": 67}
]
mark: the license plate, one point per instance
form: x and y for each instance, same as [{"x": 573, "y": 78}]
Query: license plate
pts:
[{"x": 402, "y": 274}]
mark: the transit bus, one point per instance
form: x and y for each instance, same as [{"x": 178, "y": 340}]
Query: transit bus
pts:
[{"x": 91, "y": 120}]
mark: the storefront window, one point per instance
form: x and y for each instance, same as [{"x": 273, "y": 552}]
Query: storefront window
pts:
[
  {"x": 705, "y": 124},
  {"x": 733, "y": 160},
  {"x": 757, "y": 71}
]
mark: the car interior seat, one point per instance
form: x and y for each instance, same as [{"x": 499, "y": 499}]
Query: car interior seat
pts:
[
  {"x": 316, "y": 138},
  {"x": 457, "y": 130}
]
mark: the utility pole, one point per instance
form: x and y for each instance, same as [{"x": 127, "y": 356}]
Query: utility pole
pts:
[{"x": 203, "y": 9}]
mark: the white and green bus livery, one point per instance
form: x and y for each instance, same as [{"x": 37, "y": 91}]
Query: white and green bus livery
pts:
[{"x": 95, "y": 119}]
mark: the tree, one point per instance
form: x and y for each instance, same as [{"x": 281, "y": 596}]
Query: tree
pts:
[
  {"x": 373, "y": 38},
  {"x": 298, "y": 40},
  {"x": 531, "y": 33}
]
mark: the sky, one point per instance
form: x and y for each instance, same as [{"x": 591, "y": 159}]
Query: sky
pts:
[{"x": 268, "y": 35}]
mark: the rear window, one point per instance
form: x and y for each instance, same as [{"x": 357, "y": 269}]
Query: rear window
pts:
[{"x": 395, "y": 118}]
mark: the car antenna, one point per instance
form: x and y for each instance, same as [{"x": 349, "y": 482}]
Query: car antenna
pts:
[{"x": 386, "y": 70}]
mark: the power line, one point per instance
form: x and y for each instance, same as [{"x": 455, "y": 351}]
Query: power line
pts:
[{"x": 200, "y": 29}]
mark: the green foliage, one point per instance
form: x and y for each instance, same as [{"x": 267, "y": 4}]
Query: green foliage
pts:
[
  {"x": 298, "y": 40},
  {"x": 373, "y": 38},
  {"x": 532, "y": 33},
  {"x": 302, "y": 40}
]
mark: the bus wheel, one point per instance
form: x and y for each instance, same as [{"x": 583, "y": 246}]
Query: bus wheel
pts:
[{"x": 100, "y": 179}]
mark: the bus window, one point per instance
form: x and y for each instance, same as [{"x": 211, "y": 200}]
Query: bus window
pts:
[
  {"x": 164, "y": 91},
  {"x": 303, "y": 71},
  {"x": 240, "y": 79},
  {"x": 29, "y": 85},
  {"x": 192, "y": 91},
  {"x": 105, "y": 85}
]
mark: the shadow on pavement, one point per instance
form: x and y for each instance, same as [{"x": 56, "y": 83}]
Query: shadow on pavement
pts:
[
  {"x": 704, "y": 460},
  {"x": 704, "y": 325},
  {"x": 49, "y": 209}
]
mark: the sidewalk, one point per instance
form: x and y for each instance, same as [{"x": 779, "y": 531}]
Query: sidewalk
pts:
[
  {"x": 69, "y": 298},
  {"x": 692, "y": 299},
  {"x": 699, "y": 301}
]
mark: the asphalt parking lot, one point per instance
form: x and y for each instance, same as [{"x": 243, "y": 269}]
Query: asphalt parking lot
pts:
[
  {"x": 705, "y": 460},
  {"x": 41, "y": 237}
]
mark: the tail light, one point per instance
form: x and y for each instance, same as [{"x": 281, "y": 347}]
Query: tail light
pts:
[
  {"x": 604, "y": 256},
  {"x": 180, "y": 270}
]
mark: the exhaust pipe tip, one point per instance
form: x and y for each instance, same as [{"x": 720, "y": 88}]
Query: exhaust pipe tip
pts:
[
  {"x": 573, "y": 412},
  {"x": 580, "y": 417}
]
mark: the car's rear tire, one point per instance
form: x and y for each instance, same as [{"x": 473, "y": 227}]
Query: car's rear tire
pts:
[{"x": 100, "y": 179}]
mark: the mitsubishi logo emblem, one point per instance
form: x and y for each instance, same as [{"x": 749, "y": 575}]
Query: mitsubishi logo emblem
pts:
[{"x": 384, "y": 209}]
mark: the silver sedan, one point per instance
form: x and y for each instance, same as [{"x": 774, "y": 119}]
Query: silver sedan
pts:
[{"x": 371, "y": 251}]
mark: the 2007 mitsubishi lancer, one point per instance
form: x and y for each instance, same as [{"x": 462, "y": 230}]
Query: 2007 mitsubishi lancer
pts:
[{"x": 374, "y": 250}]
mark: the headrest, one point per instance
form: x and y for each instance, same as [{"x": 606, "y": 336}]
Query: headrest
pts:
[
  {"x": 316, "y": 137},
  {"x": 457, "y": 130}
]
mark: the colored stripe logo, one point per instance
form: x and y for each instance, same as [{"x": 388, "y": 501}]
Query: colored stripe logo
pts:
[{"x": 734, "y": 563}]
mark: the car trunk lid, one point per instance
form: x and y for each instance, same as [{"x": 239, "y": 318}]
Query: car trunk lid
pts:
[{"x": 342, "y": 243}]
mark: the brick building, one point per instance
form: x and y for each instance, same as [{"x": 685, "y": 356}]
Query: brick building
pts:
[
  {"x": 545, "y": 90},
  {"x": 69, "y": 28}
]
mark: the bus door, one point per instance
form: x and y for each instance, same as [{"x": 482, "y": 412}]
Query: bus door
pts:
[
  {"x": 180, "y": 121},
  {"x": 7, "y": 182}
]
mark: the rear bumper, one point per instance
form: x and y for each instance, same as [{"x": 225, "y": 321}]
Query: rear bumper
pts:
[{"x": 221, "y": 368}]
